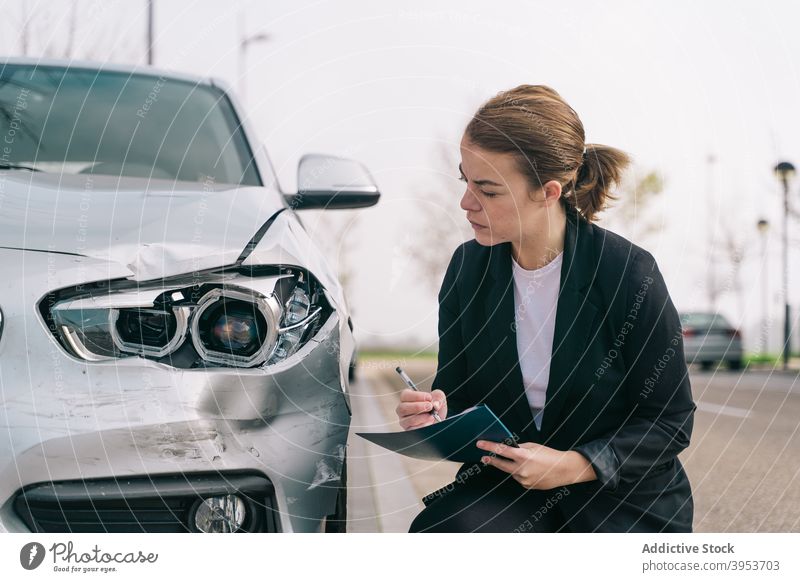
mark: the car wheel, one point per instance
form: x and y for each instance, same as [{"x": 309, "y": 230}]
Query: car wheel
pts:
[
  {"x": 336, "y": 522},
  {"x": 734, "y": 364},
  {"x": 706, "y": 365}
]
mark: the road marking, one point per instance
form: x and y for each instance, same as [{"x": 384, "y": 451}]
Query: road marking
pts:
[{"x": 724, "y": 410}]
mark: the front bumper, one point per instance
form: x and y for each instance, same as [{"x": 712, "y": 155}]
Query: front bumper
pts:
[
  {"x": 162, "y": 504},
  {"x": 712, "y": 349},
  {"x": 68, "y": 420}
]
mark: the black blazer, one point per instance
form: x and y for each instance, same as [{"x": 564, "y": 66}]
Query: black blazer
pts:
[{"x": 618, "y": 390}]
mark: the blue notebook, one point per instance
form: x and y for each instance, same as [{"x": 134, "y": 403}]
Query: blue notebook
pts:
[{"x": 453, "y": 439}]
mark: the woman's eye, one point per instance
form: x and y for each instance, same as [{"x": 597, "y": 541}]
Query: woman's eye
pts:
[{"x": 487, "y": 194}]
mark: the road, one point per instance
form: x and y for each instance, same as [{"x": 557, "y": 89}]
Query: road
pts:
[
  {"x": 743, "y": 463},
  {"x": 744, "y": 460},
  {"x": 385, "y": 489}
]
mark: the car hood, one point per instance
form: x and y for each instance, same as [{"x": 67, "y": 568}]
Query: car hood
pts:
[{"x": 154, "y": 228}]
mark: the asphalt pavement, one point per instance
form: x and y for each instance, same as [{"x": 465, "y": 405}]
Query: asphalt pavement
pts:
[{"x": 743, "y": 462}]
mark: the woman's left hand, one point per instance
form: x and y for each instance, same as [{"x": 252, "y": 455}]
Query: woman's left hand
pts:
[{"x": 536, "y": 466}]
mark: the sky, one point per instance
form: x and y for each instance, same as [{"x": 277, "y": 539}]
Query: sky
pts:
[{"x": 394, "y": 84}]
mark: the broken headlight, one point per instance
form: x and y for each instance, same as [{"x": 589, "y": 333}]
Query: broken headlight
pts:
[
  {"x": 234, "y": 328},
  {"x": 299, "y": 315},
  {"x": 154, "y": 332},
  {"x": 232, "y": 321}
]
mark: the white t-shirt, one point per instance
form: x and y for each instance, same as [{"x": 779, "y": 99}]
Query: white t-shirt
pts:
[{"x": 535, "y": 301}]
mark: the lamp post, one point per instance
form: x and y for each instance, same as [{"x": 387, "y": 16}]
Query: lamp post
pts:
[
  {"x": 784, "y": 171},
  {"x": 763, "y": 228},
  {"x": 150, "y": 13},
  {"x": 244, "y": 43},
  {"x": 711, "y": 230}
]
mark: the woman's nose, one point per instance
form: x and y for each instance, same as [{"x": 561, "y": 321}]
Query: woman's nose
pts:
[{"x": 469, "y": 201}]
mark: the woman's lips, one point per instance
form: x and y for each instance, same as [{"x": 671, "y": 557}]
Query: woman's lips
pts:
[{"x": 477, "y": 226}]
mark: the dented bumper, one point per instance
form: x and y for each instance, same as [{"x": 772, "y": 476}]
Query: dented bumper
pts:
[{"x": 65, "y": 419}]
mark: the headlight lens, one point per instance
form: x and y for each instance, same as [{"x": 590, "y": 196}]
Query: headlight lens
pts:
[
  {"x": 153, "y": 332},
  {"x": 238, "y": 331},
  {"x": 86, "y": 332},
  {"x": 234, "y": 321},
  {"x": 234, "y": 328}
]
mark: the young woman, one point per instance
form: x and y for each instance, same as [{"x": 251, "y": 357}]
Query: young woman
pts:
[{"x": 568, "y": 333}]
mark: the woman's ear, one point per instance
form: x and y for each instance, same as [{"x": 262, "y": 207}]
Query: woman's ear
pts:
[{"x": 552, "y": 190}]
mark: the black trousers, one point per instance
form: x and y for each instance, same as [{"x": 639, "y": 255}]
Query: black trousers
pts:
[{"x": 489, "y": 500}]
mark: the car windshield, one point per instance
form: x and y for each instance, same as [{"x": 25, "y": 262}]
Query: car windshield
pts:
[
  {"x": 85, "y": 121},
  {"x": 704, "y": 320}
]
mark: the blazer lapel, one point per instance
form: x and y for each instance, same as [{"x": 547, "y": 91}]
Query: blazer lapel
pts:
[{"x": 574, "y": 317}]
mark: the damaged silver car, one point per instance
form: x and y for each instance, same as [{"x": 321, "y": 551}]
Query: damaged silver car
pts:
[{"x": 174, "y": 349}]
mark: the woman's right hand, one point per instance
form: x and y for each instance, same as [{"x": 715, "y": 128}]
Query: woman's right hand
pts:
[{"x": 414, "y": 410}]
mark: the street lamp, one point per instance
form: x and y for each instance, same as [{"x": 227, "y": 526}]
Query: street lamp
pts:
[
  {"x": 784, "y": 171},
  {"x": 244, "y": 43},
  {"x": 763, "y": 228},
  {"x": 150, "y": 12}
]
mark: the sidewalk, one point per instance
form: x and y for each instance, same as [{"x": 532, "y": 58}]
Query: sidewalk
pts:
[{"x": 385, "y": 489}]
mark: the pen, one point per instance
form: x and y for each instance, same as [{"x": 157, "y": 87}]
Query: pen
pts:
[{"x": 413, "y": 386}]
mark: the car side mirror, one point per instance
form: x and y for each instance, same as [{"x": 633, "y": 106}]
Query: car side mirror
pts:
[{"x": 327, "y": 182}]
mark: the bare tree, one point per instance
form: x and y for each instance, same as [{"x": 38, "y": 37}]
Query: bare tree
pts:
[
  {"x": 442, "y": 227},
  {"x": 42, "y": 23},
  {"x": 734, "y": 247},
  {"x": 72, "y": 26},
  {"x": 335, "y": 233},
  {"x": 631, "y": 213},
  {"x": 25, "y": 31}
]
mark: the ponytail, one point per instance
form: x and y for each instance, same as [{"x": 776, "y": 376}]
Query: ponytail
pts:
[{"x": 590, "y": 190}]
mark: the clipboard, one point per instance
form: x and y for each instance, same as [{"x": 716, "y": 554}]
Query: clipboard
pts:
[{"x": 452, "y": 439}]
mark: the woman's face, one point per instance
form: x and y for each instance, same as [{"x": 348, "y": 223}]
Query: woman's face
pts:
[{"x": 498, "y": 200}]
